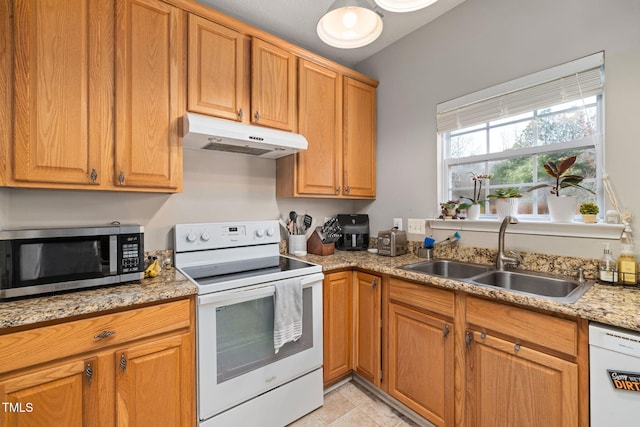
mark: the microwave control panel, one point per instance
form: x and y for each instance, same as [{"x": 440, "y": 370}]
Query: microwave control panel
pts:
[{"x": 132, "y": 253}]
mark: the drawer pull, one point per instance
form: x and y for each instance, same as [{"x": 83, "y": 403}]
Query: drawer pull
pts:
[
  {"x": 123, "y": 363},
  {"x": 445, "y": 331},
  {"x": 104, "y": 334},
  {"x": 88, "y": 372}
]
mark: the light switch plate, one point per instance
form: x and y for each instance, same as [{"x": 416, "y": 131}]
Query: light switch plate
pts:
[
  {"x": 397, "y": 222},
  {"x": 416, "y": 226}
]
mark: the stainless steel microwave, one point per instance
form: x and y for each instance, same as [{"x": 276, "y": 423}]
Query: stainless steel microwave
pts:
[{"x": 60, "y": 259}]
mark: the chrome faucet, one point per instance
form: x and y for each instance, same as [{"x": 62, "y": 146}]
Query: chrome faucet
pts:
[{"x": 503, "y": 260}]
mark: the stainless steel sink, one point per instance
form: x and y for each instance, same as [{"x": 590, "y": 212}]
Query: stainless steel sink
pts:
[
  {"x": 447, "y": 268},
  {"x": 538, "y": 284}
]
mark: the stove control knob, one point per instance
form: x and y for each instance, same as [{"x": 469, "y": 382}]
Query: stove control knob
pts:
[
  {"x": 260, "y": 232},
  {"x": 205, "y": 236},
  {"x": 191, "y": 236},
  {"x": 270, "y": 232}
]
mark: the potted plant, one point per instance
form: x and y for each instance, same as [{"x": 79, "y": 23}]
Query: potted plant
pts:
[
  {"x": 589, "y": 211},
  {"x": 561, "y": 209},
  {"x": 507, "y": 201},
  {"x": 473, "y": 208},
  {"x": 449, "y": 209}
]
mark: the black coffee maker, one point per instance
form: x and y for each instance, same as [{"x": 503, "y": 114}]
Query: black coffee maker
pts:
[{"x": 355, "y": 232}]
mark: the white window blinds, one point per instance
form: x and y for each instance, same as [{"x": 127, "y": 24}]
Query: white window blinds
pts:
[{"x": 567, "y": 82}]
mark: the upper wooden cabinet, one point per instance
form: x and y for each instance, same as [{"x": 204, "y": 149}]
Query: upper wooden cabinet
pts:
[
  {"x": 97, "y": 93},
  {"x": 63, "y": 68},
  {"x": 337, "y": 116},
  {"x": 149, "y": 40},
  {"x": 273, "y": 86},
  {"x": 359, "y": 139},
  {"x": 218, "y": 64}
]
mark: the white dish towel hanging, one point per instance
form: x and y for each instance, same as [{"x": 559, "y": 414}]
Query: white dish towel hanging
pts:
[{"x": 287, "y": 316}]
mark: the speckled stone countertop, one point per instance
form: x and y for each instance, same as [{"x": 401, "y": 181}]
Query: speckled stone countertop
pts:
[
  {"x": 613, "y": 305},
  {"x": 22, "y": 312}
]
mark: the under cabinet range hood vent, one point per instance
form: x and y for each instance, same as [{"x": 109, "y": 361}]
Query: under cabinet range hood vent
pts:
[{"x": 209, "y": 133}]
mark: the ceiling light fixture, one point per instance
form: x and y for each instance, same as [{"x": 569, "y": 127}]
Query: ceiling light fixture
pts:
[
  {"x": 404, "y": 5},
  {"x": 349, "y": 24}
]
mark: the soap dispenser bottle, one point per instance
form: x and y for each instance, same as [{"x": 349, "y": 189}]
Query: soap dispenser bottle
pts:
[
  {"x": 627, "y": 266},
  {"x": 607, "y": 267}
]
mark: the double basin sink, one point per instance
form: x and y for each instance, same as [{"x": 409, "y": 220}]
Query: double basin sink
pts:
[{"x": 553, "y": 287}]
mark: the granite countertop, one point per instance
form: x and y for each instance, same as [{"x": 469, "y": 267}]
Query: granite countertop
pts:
[
  {"x": 613, "y": 305},
  {"x": 23, "y": 312}
]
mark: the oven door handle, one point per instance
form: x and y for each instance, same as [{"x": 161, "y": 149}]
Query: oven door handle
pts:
[{"x": 234, "y": 296}]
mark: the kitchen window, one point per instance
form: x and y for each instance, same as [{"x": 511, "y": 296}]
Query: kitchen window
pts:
[{"x": 509, "y": 131}]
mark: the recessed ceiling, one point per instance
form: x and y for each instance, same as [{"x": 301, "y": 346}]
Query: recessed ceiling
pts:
[{"x": 296, "y": 20}]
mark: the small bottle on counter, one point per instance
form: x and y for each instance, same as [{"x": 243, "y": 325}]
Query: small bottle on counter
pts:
[
  {"x": 628, "y": 266},
  {"x": 607, "y": 267}
]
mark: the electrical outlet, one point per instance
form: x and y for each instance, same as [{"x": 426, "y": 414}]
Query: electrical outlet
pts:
[
  {"x": 397, "y": 222},
  {"x": 416, "y": 226}
]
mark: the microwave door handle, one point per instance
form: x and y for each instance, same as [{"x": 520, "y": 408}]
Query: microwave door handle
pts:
[{"x": 113, "y": 255}]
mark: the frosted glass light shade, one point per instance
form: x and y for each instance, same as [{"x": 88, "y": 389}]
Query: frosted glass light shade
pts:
[
  {"x": 349, "y": 24},
  {"x": 404, "y": 5}
]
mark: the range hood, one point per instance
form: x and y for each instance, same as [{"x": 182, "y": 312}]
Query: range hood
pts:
[{"x": 209, "y": 133}]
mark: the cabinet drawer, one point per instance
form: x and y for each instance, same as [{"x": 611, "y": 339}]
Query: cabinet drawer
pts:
[
  {"x": 48, "y": 343},
  {"x": 420, "y": 296},
  {"x": 526, "y": 326}
]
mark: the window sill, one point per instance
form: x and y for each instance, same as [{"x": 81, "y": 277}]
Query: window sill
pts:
[{"x": 540, "y": 228}]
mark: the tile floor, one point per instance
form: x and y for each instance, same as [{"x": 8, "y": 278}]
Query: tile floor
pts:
[{"x": 351, "y": 405}]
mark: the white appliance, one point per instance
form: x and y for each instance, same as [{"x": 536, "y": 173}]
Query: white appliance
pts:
[
  {"x": 241, "y": 380},
  {"x": 614, "y": 355},
  {"x": 210, "y": 133}
]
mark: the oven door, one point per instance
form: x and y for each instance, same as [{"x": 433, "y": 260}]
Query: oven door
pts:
[{"x": 236, "y": 357}]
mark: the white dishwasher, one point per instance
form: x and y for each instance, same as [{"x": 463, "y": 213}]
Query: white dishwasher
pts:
[{"x": 614, "y": 355}]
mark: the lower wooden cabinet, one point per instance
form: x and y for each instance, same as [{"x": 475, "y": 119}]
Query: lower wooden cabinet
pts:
[
  {"x": 337, "y": 300},
  {"x": 421, "y": 350},
  {"x": 367, "y": 326},
  {"x": 132, "y": 368}
]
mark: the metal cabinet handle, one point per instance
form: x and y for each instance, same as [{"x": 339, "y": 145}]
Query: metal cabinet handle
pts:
[
  {"x": 240, "y": 114},
  {"x": 88, "y": 372},
  {"x": 123, "y": 363},
  {"x": 468, "y": 338},
  {"x": 347, "y": 189},
  {"x": 257, "y": 115},
  {"x": 338, "y": 190},
  {"x": 445, "y": 331},
  {"x": 516, "y": 348},
  {"x": 374, "y": 283},
  {"x": 94, "y": 175},
  {"x": 104, "y": 334},
  {"x": 121, "y": 178}
]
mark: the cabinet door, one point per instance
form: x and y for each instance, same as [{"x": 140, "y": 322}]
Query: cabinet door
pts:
[
  {"x": 62, "y": 99},
  {"x": 421, "y": 363},
  {"x": 367, "y": 298},
  {"x": 511, "y": 385},
  {"x": 337, "y": 294},
  {"x": 273, "y": 86},
  {"x": 149, "y": 39},
  {"x": 63, "y": 395},
  {"x": 319, "y": 168},
  {"x": 154, "y": 384},
  {"x": 218, "y": 83},
  {"x": 359, "y": 139}
]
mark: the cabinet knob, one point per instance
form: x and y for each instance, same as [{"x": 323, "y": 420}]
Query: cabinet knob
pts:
[
  {"x": 88, "y": 372},
  {"x": 240, "y": 114},
  {"x": 468, "y": 338},
  {"x": 121, "y": 178},
  {"x": 338, "y": 190},
  {"x": 123, "y": 363},
  {"x": 374, "y": 283},
  {"x": 94, "y": 175},
  {"x": 257, "y": 115},
  {"x": 516, "y": 348},
  {"x": 347, "y": 189},
  {"x": 445, "y": 331}
]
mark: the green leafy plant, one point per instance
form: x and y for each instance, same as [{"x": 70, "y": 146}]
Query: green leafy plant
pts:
[
  {"x": 505, "y": 193},
  {"x": 589, "y": 208},
  {"x": 559, "y": 171},
  {"x": 478, "y": 180}
]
